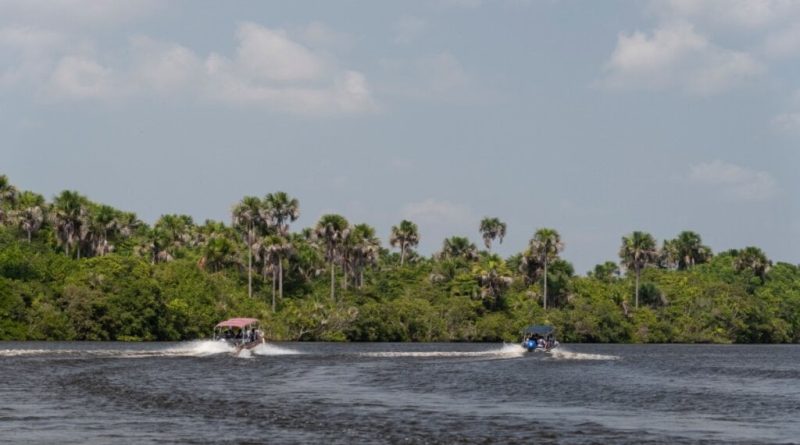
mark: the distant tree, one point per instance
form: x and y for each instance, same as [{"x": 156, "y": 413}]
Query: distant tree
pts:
[
  {"x": 31, "y": 216},
  {"x": 69, "y": 219},
  {"x": 690, "y": 250},
  {"x": 274, "y": 249},
  {"x": 458, "y": 247},
  {"x": 491, "y": 229},
  {"x": 493, "y": 277},
  {"x": 545, "y": 246},
  {"x": 405, "y": 236},
  {"x": 331, "y": 231},
  {"x": 247, "y": 218},
  {"x": 363, "y": 248},
  {"x": 754, "y": 260},
  {"x": 8, "y": 194},
  {"x": 606, "y": 271},
  {"x": 637, "y": 252},
  {"x": 279, "y": 210}
]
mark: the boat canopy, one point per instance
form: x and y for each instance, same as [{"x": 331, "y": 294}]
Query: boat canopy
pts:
[
  {"x": 236, "y": 323},
  {"x": 539, "y": 329}
]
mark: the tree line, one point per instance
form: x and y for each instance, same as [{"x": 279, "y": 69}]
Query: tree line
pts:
[{"x": 75, "y": 269}]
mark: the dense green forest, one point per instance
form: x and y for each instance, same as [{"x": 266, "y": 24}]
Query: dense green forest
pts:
[{"x": 72, "y": 269}]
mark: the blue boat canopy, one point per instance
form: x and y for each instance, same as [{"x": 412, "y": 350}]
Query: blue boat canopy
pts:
[{"x": 539, "y": 329}]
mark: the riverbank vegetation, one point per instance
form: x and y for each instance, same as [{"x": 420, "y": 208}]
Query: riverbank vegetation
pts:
[{"x": 73, "y": 269}]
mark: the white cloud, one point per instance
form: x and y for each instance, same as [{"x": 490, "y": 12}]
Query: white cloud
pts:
[
  {"x": 676, "y": 56},
  {"x": 81, "y": 78},
  {"x": 787, "y": 122},
  {"x": 734, "y": 181},
  {"x": 408, "y": 29},
  {"x": 268, "y": 68},
  {"x": 265, "y": 54},
  {"x": 320, "y": 35},
  {"x": 436, "y": 212},
  {"x": 164, "y": 67}
]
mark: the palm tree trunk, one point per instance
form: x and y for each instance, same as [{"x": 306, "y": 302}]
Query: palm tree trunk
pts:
[
  {"x": 333, "y": 295},
  {"x": 545, "y": 283},
  {"x": 249, "y": 263},
  {"x": 637, "y": 287},
  {"x": 361, "y": 279},
  {"x": 402, "y": 252},
  {"x": 274, "y": 282},
  {"x": 29, "y": 236},
  {"x": 280, "y": 280}
]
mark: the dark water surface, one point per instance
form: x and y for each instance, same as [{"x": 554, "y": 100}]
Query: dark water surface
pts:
[{"x": 197, "y": 393}]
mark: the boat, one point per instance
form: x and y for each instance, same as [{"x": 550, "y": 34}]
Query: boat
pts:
[
  {"x": 240, "y": 333},
  {"x": 539, "y": 338}
]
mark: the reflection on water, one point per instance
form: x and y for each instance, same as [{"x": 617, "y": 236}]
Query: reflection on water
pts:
[{"x": 201, "y": 392}]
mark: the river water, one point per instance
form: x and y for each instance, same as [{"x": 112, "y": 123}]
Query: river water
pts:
[{"x": 197, "y": 393}]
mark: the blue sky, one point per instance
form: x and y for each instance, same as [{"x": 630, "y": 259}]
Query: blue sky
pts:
[{"x": 595, "y": 118}]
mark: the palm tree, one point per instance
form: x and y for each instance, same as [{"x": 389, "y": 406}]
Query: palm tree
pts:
[
  {"x": 30, "y": 220},
  {"x": 545, "y": 245},
  {"x": 363, "y": 248},
  {"x": 332, "y": 230},
  {"x": 31, "y": 217},
  {"x": 637, "y": 251},
  {"x": 69, "y": 219},
  {"x": 690, "y": 250},
  {"x": 247, "y": 217},
  {"x": 754, "y": 260},
  {"x": 8, "y": 193},
  {"x": 406, "y": 235},
  {"x": 279, "y": 209},
  {"x": 491, "y": 229},
  {"x": 274, "y": 248},
  {"x": 493, "y": 277},
  {"x": 458, "y": 247},
  {"x": 218, "y": 251}
]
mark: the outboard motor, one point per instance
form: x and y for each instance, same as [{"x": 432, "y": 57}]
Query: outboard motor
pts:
[{"x": 530, "y": 344}]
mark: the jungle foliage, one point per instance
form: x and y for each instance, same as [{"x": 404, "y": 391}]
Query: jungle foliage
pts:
[{"x": 73, "y": 269}]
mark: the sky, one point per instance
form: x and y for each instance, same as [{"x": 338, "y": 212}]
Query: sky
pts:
[{"x": 594, "y": 118}]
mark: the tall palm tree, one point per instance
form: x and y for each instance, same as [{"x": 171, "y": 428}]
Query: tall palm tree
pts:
[
  {"x": 8, "y": 193},
  {"x": 274, "y": 249},
  {"x": 754, "y": 260},
  {"x": 279, "y": 209},
  {"x": 493, "y": 277},
  {"x": 247, "y": 217},
  {"x": 690, "y": 250},
  {"x": 30, "y": 220},
  {"x": 491, "y": 229},
  {"x": 31, "y": 216},
  {"x": 332, "y": 230},
  {"x": 545, "y": 245},
  {"x": 363, "y": 248},
  {"x": 458, "y": 247},
  {"x": 405, "y": 235},
  {"x": 69, "y": 217},
  {"x": 638, "y": 251}
]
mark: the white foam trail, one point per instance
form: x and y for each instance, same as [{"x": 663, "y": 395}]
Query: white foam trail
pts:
[
  {"x": 563, "y": 354},
  {"x": 268, "y": 349},
  {"x": 197, "y": 348},
  {"x": 506, "y": 351}
]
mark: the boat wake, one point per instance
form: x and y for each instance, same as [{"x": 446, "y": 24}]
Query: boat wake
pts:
[
  {"x": 505, "y": 351},
  {"x": 563, "y": 354}
]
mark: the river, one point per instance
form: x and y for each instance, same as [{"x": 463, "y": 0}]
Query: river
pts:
[{"x": 197, "y": 393}]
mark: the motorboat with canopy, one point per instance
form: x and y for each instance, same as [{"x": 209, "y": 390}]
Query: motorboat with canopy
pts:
[
  {"x": 539, "y": 338},
  {"x": 241, "y": 333}
]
